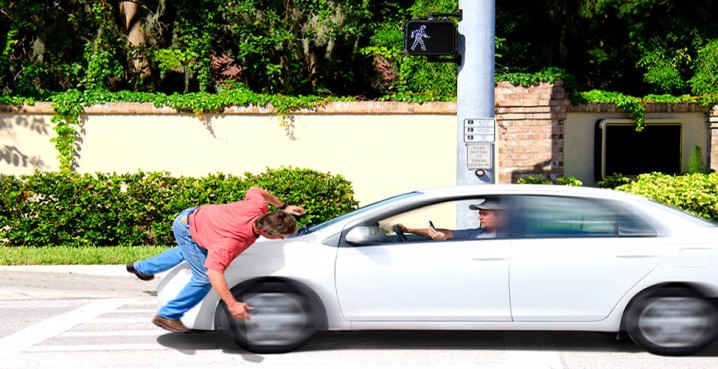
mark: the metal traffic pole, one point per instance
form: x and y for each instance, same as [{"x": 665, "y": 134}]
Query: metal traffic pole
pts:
[
  {"x": 476, "y": 123},
  {"x": 472, "y": 46}
]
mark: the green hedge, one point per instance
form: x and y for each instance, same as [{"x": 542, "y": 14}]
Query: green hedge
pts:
[
  {"x": 695, "y": 193},
  {"x": 563, "y": 181},
  {"x": 51, "y": 208}
]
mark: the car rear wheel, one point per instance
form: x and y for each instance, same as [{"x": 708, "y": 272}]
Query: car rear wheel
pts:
[
  {"x": 674, "y": 321},
  {"x": 285, "y": 317}
]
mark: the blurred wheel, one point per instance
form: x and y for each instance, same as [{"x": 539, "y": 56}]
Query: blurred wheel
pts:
[
  {"x": 284, "y": 317},
  {"x": 672, "y": 322}
]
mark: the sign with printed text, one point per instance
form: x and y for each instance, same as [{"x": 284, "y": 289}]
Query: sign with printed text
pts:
[
  {"x": 479, "y": 156},
  {"x": 479, "y": 130}
]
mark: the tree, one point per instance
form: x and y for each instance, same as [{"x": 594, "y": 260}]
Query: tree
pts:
[
  {"x": 130, "y": 15},
  {"x": 633, "y": 46},
  {"x": 344, "y": 47}
]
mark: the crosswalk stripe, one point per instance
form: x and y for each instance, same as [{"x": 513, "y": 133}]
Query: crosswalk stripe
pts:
[
  {"x": 133, "y": 311},
  {"x": 537, "y": 359},
  {"x": 137, "y": 333},
  {"x": 113, "y": 347},
  {"x": 112, "y": 320},
  {"x": 52, "y": 327}
]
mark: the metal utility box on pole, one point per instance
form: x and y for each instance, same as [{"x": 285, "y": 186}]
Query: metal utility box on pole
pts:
[{"x": 476, "y": 124}]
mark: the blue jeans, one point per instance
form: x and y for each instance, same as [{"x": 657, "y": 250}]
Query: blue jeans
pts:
[{"x": 194, "y": 255}]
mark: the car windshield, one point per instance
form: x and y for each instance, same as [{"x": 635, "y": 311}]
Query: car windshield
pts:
[{"x": 313, "y": 228}]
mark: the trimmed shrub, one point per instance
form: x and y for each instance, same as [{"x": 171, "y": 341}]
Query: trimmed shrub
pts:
[
  {"x": 613, "y": 181},
  {"x": 51, "y": 208},
  {"x": 694, "y": 193},
  {"x": 534, "y": 180},
  {"x": 563, "y": 181}
]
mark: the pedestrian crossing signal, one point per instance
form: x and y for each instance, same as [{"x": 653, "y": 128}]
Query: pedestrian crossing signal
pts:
[{"x": 430, "y": 37}]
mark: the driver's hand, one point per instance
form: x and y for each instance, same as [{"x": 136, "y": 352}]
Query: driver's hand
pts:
[
  {"x": 402, "y": 228},
  {"x": 436, "y": 235}
]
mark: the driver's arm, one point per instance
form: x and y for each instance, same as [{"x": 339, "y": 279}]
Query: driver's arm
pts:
[{"x": 430, "y": 232}]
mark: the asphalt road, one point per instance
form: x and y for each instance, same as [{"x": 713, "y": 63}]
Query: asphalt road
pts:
[{"x": 99, "y": 317}]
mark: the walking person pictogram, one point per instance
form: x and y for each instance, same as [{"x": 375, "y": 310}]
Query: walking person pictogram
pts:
[{"x": 419, "y": 35}]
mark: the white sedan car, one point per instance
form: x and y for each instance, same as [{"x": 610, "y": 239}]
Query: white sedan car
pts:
[{"x": 563, "y": 258}]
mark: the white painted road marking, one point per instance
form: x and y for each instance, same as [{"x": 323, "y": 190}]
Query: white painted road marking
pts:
[
  {"x": 535, "y": 359},
  {"x": 71, "y": 326},
  {"x": 57, "y": 325},
  {"x": 148, "y": 333},
  {"x": 112, "y": 347}
]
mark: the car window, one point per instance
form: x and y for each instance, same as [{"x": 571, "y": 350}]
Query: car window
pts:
[
  {"x": 413, "y": 224},
  {"x": 381, "y": 230},
  {"x": 555, "y": 216},
  {"x": 442, "y": 215},
  {"x": 314, "y": 228}
]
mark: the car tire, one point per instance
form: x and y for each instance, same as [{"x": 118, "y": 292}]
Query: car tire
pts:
[
  {"x": 285, "y": 317},
  {"x": 672, "y": 322}
]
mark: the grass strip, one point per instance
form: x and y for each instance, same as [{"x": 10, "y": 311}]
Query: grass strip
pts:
[{"x": 80, "y": 255}]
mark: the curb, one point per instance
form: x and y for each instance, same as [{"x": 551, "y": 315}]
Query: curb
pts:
[{"x": 94, "y": 270}]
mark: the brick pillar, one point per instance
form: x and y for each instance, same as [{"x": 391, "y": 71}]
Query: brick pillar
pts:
[
  {"x": 713, "y": 121},
  {"x": 530, "y": 130}
]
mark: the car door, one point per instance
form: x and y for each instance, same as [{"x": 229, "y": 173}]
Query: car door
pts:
[
  {"x": 421, "y": 279},
  {"x": 574, "y": 258}
]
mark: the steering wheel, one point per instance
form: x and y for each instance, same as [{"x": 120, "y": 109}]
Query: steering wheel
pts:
[{"x": 399, "y": 233}]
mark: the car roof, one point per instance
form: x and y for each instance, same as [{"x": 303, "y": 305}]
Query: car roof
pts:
[{"x": 469, "y": 190}]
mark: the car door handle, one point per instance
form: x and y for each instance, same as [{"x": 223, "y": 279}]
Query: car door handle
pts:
[
  {"x": 635, "y": 254},
  {"x": 490, "y": 257}
]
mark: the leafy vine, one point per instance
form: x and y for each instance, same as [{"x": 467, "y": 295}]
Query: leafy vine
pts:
[
  {"x": 69, "y": 106},
  {"x": 637, "y": 106},
  {"x": 634, "y": 105}
]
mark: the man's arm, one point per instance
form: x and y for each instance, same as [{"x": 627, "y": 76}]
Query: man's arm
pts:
[
  {"x": 271, "y": 199},
  {"x": 268, "y": 197},
  {"x": 238, "y": 310}
]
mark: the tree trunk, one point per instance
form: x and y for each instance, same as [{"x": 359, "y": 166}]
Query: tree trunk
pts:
[{"x": 135, "y": 37}]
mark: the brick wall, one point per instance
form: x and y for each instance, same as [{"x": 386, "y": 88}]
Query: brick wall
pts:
[
  {"x": 713, "y": 122},
  {"x": 530, "y": 130},
  {"x": 531, "y": 127}
]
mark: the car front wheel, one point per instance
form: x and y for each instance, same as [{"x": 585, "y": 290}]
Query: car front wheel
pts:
[
  {"x": 672, "y": 321},
  {"x": 284, "y": 317}
]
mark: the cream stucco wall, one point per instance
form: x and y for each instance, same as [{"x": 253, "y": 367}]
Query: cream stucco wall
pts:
[
  {"x": 579, "y": 139},
  {"x": 383, "y": 148},
  {"x": 25, "y": 144},
  {"x": 381, "y": 154}
]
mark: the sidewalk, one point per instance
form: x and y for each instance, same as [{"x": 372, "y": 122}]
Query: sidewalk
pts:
[
  {"x": 35, "y": 282},
  {"x": 96, "y": 270}
]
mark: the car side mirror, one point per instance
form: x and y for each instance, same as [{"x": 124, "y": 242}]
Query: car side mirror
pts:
[{"x": 363, "y": 234}]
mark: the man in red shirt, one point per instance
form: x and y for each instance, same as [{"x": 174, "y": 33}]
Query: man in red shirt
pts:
[{"x": 209, "y": 238}]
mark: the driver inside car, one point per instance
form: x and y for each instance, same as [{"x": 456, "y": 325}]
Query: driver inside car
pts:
[{"x": 489, "y": 213}]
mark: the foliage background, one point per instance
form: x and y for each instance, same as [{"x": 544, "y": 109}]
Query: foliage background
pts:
[
  {"x": 696, "y": 193},
  {"x": 344, "y": 47},
  {"x": 71, "y": 209}
]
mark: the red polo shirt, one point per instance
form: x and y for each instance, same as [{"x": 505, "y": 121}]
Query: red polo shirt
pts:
[{"x": 225, "y": 230}]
